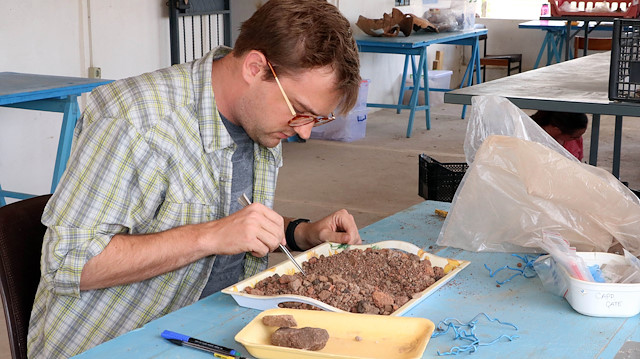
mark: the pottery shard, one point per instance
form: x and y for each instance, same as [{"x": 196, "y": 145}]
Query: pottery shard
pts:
[
  {"x": 283, "y": 321},
  {"x": 392, "y": 24},
  {"x": 303, "y": 338},
  {"x": 380, "y": 299}
]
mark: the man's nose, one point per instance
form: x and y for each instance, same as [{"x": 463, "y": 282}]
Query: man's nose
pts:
[{"x": 304, "y": 131}]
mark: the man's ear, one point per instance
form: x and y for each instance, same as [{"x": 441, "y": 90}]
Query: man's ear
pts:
[{"x": 253, "y": 66}]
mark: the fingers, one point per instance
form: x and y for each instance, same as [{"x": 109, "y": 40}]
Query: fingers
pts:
[
  {"x": 264, "y": 229},
  {"x": 346, "y": 223},
  {"x": 339, "y": 227},
  {"x": 256, "y": 229}
]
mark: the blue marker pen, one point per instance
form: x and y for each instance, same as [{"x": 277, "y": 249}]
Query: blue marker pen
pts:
[{"x": 181, "y": 339}]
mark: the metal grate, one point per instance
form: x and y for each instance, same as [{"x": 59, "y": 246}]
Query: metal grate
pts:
[
  {"x": 624, "y": 76},
  {"x": 197, "y": 26}
]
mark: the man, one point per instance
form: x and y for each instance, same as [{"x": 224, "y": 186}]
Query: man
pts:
[{"x": 146, "y": 218}]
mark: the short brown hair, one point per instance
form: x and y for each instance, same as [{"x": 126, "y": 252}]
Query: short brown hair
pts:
[{"x": 298, "y": 35}]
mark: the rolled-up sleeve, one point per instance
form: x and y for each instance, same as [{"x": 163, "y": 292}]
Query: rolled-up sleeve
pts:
[{"x": 108, "y": 189}]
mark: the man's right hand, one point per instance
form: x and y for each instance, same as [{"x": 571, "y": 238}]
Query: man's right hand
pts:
[{"x": 256, "y": 229}]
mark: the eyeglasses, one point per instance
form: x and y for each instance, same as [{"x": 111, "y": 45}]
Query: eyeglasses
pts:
[{"x": 298, "y": 119}]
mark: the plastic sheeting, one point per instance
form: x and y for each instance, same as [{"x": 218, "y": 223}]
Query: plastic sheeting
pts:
[{"x": 521, "y": 182}]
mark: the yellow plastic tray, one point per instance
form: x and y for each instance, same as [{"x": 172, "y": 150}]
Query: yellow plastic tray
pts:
[
  {"x": 380, "y": 336},
  {"x": 451, "y": 268}
]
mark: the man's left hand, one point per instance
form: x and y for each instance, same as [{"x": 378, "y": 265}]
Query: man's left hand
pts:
[{"x": 339, "y": 227}]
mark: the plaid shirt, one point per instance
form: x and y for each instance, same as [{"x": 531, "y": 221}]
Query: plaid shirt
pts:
[{"x": 150, "y": 153}]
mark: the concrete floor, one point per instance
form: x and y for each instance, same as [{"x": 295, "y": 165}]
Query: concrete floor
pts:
[{"x": 378, "y": 175}]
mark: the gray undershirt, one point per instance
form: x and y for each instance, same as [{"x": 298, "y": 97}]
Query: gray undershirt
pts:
[{"x": 228, "y": 270}]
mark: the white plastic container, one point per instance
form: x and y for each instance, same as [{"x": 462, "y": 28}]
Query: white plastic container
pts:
[
  {"x": 440, "y": 79},
  {"x": 363, "y": 92},
  {"x": 602, "y": 299},
  {"x": 347, "y": 128}
]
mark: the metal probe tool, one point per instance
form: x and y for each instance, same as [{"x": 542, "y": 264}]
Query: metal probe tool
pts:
[{"x": 244, "y": 201}]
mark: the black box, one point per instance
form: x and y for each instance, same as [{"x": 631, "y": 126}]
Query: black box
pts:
[
  {"x": 624, "y": 72},
  {"x": 439, "y": 181}
]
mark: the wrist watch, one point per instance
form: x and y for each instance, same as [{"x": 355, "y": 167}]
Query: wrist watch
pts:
[{"x": 291, "y": 228}]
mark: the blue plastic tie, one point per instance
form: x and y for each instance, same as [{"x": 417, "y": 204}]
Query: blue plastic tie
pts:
[
  {"x": 528, "y": 265},
  {"x": 448, "y": 324}
]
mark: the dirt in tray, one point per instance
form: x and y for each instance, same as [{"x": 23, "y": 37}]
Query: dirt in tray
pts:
[{"x": 372, "y": 281}]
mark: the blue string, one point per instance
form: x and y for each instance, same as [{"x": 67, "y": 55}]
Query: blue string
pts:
[
  {"x": 528, "y": 266},
  {"x": 457, "y": 326}
]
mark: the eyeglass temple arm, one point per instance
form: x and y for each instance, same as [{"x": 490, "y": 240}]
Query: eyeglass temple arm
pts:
[{"x": 293, "y": 112}]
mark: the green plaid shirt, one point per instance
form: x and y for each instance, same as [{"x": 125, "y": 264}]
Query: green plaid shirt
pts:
[{"x": 150, "y": 153}]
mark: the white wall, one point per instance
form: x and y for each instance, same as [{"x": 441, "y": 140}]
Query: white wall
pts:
[
  {"x": 504, "y": 37},
  {"x": 64, "y": 38},
  {"x": 125, "y": 38}
]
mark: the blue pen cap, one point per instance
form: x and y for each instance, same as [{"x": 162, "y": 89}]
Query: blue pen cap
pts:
[{"x": 167, "y": 334}]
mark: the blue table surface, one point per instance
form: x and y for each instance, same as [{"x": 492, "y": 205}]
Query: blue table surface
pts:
[
  {"x": 418, "y": 39},
  {"x": 18, "y": 87},
  {"x": 547, "y": 326}
]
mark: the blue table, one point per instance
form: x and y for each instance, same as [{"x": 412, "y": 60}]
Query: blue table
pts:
[
  {"x": 416, "y": 45},
  {"x": 548, "y": 326},
  {"x": 46, "y": 93},
  {"x": 557, "y": 35},
  {"x": 553, "y": 39},
  {"x": 588, "y": 24}
]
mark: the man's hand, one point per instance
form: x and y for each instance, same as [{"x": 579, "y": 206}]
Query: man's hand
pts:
[
  {"x": 339, "y": 227},
  {"x": 255, "y": 229}
]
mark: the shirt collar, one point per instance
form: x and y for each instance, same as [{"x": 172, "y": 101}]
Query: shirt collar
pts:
[{"x": 212, "y": 131}]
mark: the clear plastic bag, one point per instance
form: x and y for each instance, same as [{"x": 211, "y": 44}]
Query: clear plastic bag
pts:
[
  {"x": 494, "y": 115},
  {"x": 564, "y": 255},
  {"x": 548, "y": 272},
  {"x": 460, "y": 16},
  {"x": 521, "y": 183}
]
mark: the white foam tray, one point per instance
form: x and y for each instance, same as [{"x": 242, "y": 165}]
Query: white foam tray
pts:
[
  {"x": 451, "y": 266},
  {"x": 602, "y": 299}
]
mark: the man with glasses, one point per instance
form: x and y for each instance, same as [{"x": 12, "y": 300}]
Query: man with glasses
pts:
[{"x": 146, "y": 218}]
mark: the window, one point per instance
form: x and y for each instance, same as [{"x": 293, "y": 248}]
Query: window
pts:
[{"x": 402, "y": 2}]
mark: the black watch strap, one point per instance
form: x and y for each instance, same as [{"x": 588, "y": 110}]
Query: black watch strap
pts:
[{"x": 291, "y": 228}]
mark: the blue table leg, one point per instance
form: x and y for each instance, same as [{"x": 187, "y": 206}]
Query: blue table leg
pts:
[
  {"x": 544, "y": 45},
  {"x": 557, "y": 48},
  {"x": 402, "y": 83},
  {"x": 550, "y": 53},
  {"x": 552, "y": 43},
  {"x": 560, "y": 37},
  {"x": 417, "y": 75},
  {"x": 593, "y": 146},
  {"x": 425, "y": 80},
  {"x": 71, "y": 115},
  {"x": 68, "y": 106},
  {"x": 474, "y": 63}
]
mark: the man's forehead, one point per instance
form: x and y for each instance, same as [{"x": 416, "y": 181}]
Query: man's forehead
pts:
[{"x": 317, "y": 91}]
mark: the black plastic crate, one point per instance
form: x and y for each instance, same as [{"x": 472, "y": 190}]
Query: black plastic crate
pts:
[
  {"x": 624, "y": 72},
  {"x": 439, "y": 181}
]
